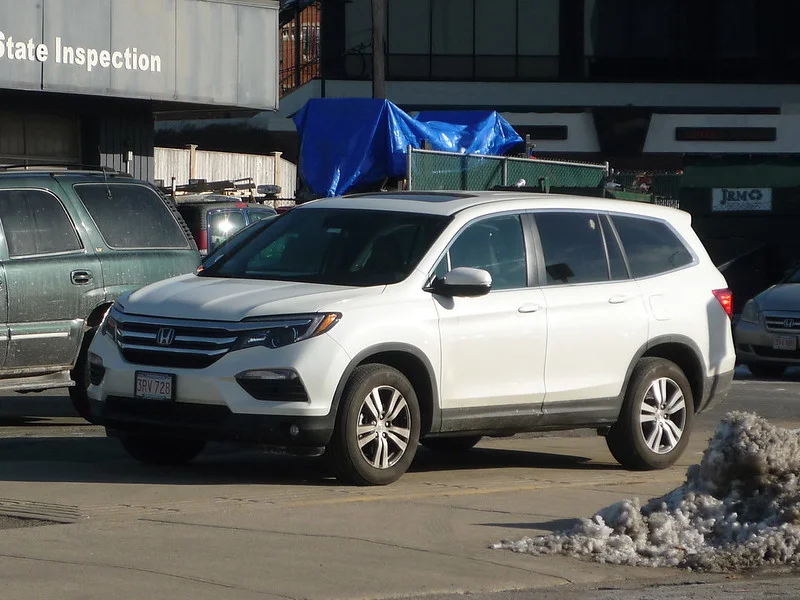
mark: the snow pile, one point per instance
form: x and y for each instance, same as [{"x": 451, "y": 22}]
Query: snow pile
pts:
[{"x": 738, "y": 509}]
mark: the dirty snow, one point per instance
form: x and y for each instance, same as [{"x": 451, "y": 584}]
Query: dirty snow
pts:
[{"x": 738, "y": 509}]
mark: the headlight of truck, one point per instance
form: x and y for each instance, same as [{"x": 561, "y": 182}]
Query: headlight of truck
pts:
[
  {"x": 750, "y": 312},
  {"x": 282, "y": 331}
]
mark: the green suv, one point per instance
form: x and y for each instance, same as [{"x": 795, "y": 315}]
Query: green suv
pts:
[{"x": 71, "y": 242}]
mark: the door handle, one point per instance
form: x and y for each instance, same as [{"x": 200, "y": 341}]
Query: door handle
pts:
[
  {"x": 530, "y": 308},
  {"x": 81, "y": 277},
  {"x": 619, "y": 299}
]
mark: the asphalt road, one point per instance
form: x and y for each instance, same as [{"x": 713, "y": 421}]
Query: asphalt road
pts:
[{"x": 241, "y": 524}]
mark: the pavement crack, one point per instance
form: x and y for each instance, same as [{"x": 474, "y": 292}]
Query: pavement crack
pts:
[
  {"x": 147, "y": 571},
  {"x": 357, "y": 539}
]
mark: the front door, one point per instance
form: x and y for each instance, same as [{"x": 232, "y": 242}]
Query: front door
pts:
[
  {"x": 493, "y": 347},
  {"x": 52, "y": 282}
]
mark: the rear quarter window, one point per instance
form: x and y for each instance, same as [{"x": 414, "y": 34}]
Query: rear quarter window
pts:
[
  {"x": 131, "y": 216},
  {"x": 652, "y": 247}
]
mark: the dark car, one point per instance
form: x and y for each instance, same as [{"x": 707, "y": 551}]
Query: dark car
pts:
[
  {"x": 214, "y": 218},
  {"x": 72, "y": 242}
]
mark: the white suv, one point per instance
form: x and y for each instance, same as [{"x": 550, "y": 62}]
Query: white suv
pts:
[{"x": 368, "y": 324}]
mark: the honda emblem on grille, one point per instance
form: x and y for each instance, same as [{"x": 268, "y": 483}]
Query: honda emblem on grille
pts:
[
  {"x": 788, "y": 323},
  {"x": 165, "y": 336}
]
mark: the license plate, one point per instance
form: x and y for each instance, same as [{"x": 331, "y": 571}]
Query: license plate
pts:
[
  {"x": 785, "y": 342},
  {"x": 154, "y": 386}
]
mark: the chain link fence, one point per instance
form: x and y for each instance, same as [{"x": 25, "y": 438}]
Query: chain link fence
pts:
[
  {"x": 435, "y": 170},
  {"x": 662, "y": 188}
]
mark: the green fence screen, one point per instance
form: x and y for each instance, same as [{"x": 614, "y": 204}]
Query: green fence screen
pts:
[{"x": 433, "y": 170}]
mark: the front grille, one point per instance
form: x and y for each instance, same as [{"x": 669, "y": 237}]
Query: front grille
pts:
[
  {"x": 169, "y": 412},
  {"x": 768, "y": 352},
  {"x": 275, "y": 390},
  {"x": 782, "y": 323},
  {"x": 172, "y": 342}
]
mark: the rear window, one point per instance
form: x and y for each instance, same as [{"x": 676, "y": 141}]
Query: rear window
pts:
[
  {"x": 651, "y": 246},
  {"x": 131, "y": 215}
]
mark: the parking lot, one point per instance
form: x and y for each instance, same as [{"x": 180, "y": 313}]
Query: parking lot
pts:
[{"x": 244, "y": 524}]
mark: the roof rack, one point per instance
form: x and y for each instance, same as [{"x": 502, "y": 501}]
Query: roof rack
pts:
[
  {"x": 63, "y": 167},
  {"x": 236, "y": 188}
]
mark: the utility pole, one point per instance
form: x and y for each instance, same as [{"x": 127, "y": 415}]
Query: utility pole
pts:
[{"x": 379, "y": 48}]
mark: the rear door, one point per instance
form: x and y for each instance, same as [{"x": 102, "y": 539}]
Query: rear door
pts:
[
  {"x": 140, "y": 241},
  {"x": 596, "y": 315},
  {"x": 52, "y": 280}
]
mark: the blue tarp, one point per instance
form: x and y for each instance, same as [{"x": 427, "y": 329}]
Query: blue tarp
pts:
[{"x": 348, "y": 142}]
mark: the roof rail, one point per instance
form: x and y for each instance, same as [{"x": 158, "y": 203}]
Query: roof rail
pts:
[{"x": 63, "y": 167}]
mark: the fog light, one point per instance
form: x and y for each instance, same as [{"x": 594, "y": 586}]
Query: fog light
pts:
[
  {"x": 273, "y": 385},
  {"x": 294, "y": 431},
  {"x": 96, "y": 369}
]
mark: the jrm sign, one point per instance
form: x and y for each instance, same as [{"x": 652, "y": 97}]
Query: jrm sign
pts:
[{"x": 741, "y": 199}]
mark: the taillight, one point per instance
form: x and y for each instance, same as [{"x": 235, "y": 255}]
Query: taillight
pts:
[{"x": 725, "y": 298}]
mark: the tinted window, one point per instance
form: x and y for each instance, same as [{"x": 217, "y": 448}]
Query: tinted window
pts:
[
  {"x": 35, "y": 222},
  {"x": 616, "y": 260},
  {"x": 496, "y": 245},
  {"x": 223, "y": 224},
  {"x": 131, "y": 216},
  {"x": 334, "y": 246},
  {"x": 651, "y": 246},
  {"x": 572, "y": 244},
  {"x": 257, "y": 215}
]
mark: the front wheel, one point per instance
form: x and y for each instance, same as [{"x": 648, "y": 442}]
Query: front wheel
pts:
[
  {"x": 377, "y": 427},
  {"x": 154, "y": 450},
  {"x": 656, "y": 418}
]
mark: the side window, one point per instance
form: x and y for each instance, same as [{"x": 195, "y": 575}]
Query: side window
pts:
[
  {"x": 616, "y": 260},
  {"x": 35, "y": 222},
  {"x": 131, "y": 216},
  {"x": 496, "y": 245},
  {"x": 651, "y": 246},
  {"x": 572, "y": 244}
]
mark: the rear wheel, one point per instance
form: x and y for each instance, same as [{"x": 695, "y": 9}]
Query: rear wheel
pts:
[
  {"x": 656, "y": 418},
  {"x": 153, "y": 450},
  {"x": 452, "y": 444},
  {"x": 766, "y": 370},
  {"x": 80, "y": 375},
  {"x": 377, "y": 427}
]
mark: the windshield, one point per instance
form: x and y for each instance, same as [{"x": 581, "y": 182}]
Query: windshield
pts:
[{"x": 335, "y": 247}]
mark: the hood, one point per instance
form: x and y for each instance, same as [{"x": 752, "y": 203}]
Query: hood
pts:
[
  {"x": 217, "y": 299},
  {"x": 784, "y": 296}
]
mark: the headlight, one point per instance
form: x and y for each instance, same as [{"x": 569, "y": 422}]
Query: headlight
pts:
[
  {"x": 750, "y": 312},
  {"x": 282, "y": 331},
  {"x": 109, "y": 324}
]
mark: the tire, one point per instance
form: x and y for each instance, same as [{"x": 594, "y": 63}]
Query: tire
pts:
[
  {"x": 659, "y": 393},
  {"x": 80, "y": 375},
  {"x": 767, "y": 370},
  {"x": 452, "y": 444},
  {"x": 382, "y": 450},
  {"x": 153, "y": 450}
]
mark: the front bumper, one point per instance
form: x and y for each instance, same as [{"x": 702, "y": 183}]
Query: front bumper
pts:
[
  {"x": 130, "y": 416},
  {"x": 210, "y": 404},
  {"x": 755, "y": 344}
]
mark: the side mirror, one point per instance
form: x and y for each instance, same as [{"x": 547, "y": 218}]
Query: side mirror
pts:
[{"x": 464, "y": 282}]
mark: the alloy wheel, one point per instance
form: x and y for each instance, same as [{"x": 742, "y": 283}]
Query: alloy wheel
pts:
[
  {"x": 662, "y": 416},
  {"x": 384, "y": 427}
]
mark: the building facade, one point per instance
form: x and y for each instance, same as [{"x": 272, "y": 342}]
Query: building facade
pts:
[
  {"x": 642, "y": 84},
  {"x": 81, "y": 80}
]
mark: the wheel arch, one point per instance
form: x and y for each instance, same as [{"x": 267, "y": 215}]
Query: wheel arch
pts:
[
  {"x": 681, "y": 350},
  {"x": 414, "y": 365}
]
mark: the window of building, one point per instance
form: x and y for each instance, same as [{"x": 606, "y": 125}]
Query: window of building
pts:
[
  {"x": 496, "y": 245},
  {"x": 131, "y": 216},
  {"x": 573, "y": 249},
  {"x": 651, "y": 246},
  {"x": 35, "y": 222}
]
